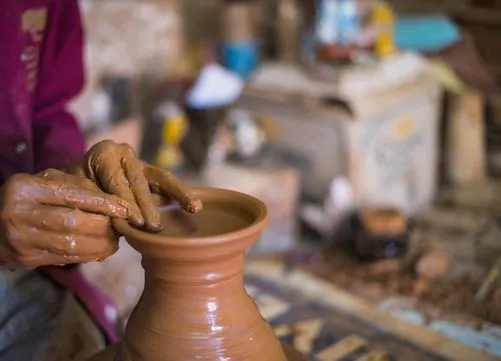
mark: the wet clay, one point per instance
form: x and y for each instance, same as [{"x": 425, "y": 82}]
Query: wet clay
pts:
[
  {"x": 194, "y": 305},
  {"x": 214, "y": 220},
  {"x": 117, "y": 170}
]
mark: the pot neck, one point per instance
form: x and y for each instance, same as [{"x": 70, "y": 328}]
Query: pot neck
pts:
[{"x": 196, "y": 273}]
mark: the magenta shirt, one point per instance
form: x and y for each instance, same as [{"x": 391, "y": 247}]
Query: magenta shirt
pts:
[{"x": 41, "y": 71}]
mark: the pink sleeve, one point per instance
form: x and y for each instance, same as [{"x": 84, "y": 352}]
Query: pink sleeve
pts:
[{"x": 57, "y": 136}]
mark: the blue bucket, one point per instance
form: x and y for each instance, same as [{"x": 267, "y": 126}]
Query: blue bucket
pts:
[{"x": 240, "y": 57}]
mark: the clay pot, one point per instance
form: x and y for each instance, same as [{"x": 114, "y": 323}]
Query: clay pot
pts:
[
  {"x": 380, "y": 233},
  {"x": 194, "y": 305}
]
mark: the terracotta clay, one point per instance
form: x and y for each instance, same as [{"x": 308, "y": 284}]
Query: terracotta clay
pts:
[
  {"x": 56, "y": 218},
  {"x": 194, "y": 306},
  {"x": 117, "y": 170},
  {"x": 215, "y": 219}
]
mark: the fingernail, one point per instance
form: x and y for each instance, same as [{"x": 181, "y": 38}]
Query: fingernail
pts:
[
  {"x": 155, "y": 227},
  {"x": 138, "y": 221}
]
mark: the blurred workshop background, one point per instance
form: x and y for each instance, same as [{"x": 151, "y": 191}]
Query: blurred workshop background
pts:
[{"x": 371, "y": 129}]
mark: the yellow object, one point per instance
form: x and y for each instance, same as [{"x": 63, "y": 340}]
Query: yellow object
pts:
[
  {"x": 174, "y": 129},
  {"x": 384, "y": 18}
]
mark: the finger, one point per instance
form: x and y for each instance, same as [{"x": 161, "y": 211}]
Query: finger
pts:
[
  {"x": 111, "y": 177},
  {"x": 32, "y": 258},
  {"x": 67, "y": 221},
  {"x": 70, "y": 194},
  {"x": 29, "y": 188},
  {"x": 133, "y": 170},
  {"x": 70, "y": 245},
  {"x": 163, "y": 182},
  {"x": 35, "y": 259},
  {"x": 44, "y": 258},
  {"x": 54, "y": 174}
]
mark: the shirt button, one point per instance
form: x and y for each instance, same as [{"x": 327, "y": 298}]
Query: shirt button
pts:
[
  {"x": 21, "y": 147},
  {"x": 25, "y": 57}
]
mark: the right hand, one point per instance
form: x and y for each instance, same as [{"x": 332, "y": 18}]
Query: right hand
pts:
[
  {"x": 54, "y": 218},
  {"x": 117, "y": 170}
]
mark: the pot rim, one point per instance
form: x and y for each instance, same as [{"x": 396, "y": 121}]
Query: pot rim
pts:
[{"x": 235, "y": 199}]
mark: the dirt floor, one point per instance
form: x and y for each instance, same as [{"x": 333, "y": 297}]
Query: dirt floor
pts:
[{"x": 380, "y": 280}]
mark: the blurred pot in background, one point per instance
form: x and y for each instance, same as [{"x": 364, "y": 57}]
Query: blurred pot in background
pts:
[{"x": 380, "y": 232}]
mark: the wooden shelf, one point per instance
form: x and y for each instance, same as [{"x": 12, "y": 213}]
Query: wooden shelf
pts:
[{"x": 460, "y": 12}]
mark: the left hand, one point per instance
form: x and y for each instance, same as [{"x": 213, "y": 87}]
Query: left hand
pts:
[
  {"x": 53, "y": 218},
  {"x": 117, "y": 170}
]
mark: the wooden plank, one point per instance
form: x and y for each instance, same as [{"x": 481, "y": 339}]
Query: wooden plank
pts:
[
  {"x": 326, "y": 293},
  {"x": 283, "y": 330},
  {"x": 305, "y": 334},
  {"x": 374, "y": 356},
  {"x": 251, "y": 291},
  {"x": 341, "y": 349},
  {"x": 455, "y": 9},
  {"x": 270, "y": 306}
]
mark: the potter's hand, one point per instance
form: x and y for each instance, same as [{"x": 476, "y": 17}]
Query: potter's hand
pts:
[
  {"x": 117, "y": 170},
  {"x": 54, "y": 218}
]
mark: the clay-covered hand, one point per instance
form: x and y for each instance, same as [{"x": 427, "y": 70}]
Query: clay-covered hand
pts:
[
  {"x": 54, "y": 218},
  {"x": 117, "y": 170}
]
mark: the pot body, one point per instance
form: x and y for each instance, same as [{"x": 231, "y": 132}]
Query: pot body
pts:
[
  {"x": 200, "y": 311},
  {"x": 111, "y": 354}
]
